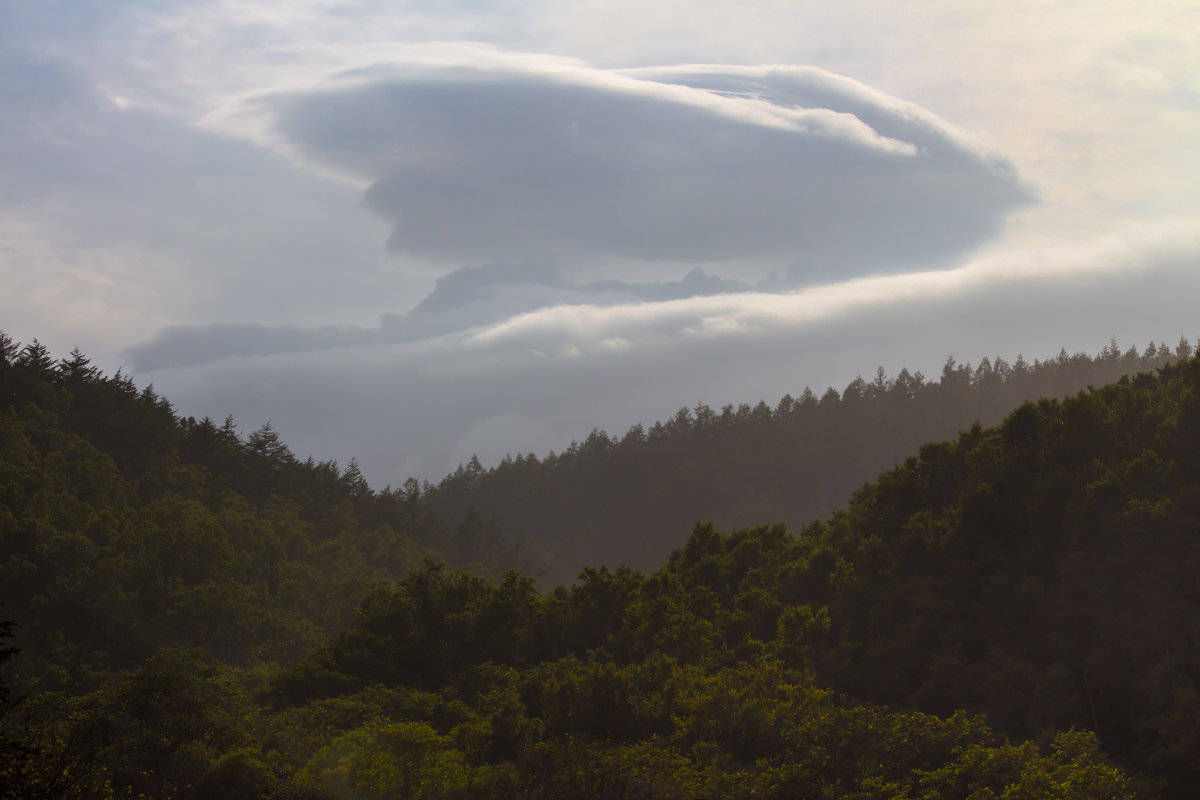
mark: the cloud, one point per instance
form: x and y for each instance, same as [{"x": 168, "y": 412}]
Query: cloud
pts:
[
  {"x": 536, "y": 381},
  {"x": 116, "y": 220},
  {"x": 517, "y": 312},
  {"x": 544, "y": 160},
  {"x": 473, "y": 297},
  {"x": 621, "y": 225},
  {"x": 611, "y": 184},
  {"x": 188, "y": 346},
  {"x": 463, "y": 300}
]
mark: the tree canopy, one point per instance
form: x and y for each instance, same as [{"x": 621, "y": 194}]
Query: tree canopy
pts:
[{"x": 1010, "y": 612}]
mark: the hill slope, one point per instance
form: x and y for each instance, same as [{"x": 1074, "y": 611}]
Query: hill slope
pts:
[
  {"x": 160, "y": 572},
  {"x": 124, "y": 528},
  {"x": 1042, "y": 572},
  {"x": 632, "y": 499}
]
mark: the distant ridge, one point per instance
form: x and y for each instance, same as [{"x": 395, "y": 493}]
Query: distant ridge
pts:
[{"x": 632, "y": 499}]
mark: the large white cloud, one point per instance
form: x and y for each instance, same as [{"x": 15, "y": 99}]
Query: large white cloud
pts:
[
  {"x": 520, "y": 159},
  {"x": 563, "y": 179}
]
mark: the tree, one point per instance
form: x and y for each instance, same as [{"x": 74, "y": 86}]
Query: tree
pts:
[
  {"x": 77, "y": 369},
  {"x": 380, "y": 761},
  {"x": 354, "y": 481},
  {"x": 266, "y": 444},
  {"x": 9, "y": 350},
  {"x": 36, "y": 356},
  {"x": 477, "y": 543}
]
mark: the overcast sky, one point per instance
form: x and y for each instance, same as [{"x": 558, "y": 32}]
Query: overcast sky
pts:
[{"x": 412, "y": 231}]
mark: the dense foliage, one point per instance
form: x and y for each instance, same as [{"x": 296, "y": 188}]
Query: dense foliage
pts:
[
  {"x": 1008, "y": 614},
  {"x": 124, "y": 528},
  {"x": 613, "y": 500},
  {"x": 1043, "y": 572}
]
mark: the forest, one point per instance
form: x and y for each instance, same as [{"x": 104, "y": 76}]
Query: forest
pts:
[
  {"x": 628, "y": 500},
  {"x": 1001, "y": 602}
]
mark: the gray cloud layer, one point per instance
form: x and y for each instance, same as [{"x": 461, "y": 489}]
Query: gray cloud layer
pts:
[
  {"x": 537, "y": 381},
  {"x": 519, "y": 165},
  {"x": 535, "y": 171},
  {"x": 465, "y": 299}
]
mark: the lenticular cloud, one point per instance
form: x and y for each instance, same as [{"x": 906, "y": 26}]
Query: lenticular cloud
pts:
[{"x": 821, "y": 175}]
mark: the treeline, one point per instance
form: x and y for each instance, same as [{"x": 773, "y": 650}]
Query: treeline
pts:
[
  {"x": 125, "y": 528},
  {"x": 1041, "y": 573},
  {"x": 631, "y": 499},
  {"x": 1012, "y": 613}
]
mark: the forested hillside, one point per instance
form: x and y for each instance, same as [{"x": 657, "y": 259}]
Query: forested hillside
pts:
[
  {"x": 1012, "y": 613},
  {"x": 632, "y": 499},
  {"x": 124, "y": 528},
  {"x": 1041, "y": 573}
]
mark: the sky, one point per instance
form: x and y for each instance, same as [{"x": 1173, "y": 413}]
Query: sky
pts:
[{"x": 409, "y": 232}]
